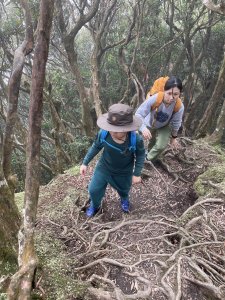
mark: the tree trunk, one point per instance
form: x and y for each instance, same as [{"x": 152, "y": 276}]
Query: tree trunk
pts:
[
  {"x": 207, "y": 122},
  {"x": 216, "y": 137},
  {"x": 85, "y": 105},
  {"x": 59, "y": 128},
  {"x": 14, "y": 85},
  {"x": 21, "y": 282},
  {"x": 9, "y": 218},
  {"x": 95, "y": 67},
  {"x": 84, "y": 14},
  {"x": 196, "y": 110}
]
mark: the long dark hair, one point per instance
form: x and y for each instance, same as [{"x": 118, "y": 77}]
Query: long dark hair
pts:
[{"x": 172, "y": 82}]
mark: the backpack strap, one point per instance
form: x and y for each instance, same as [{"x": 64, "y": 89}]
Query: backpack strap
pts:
[
  {"x": 132, "y": 140},
  {"x": 159, "y": 100},
  {"x": 157, "y": 103},
  {"x": 177, "y": 106},
  {"x": 103, "y": 135}
]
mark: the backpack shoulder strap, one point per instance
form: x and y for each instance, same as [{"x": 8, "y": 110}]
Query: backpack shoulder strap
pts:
[
  {"x": 158, "y": 101},
  {"x": 103, "y": 134},
  {"x": 177, "y": 105},
  {"x": 133, "y": 138}
]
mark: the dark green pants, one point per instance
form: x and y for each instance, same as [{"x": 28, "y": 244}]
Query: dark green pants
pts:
[
  {"x": 159, "y": 141},
  {"x": 100, "y": 180}
]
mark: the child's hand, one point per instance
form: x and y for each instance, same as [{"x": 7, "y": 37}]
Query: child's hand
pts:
[
  {"x": 136, "y": 179},
  {"x": 83, "y": 170}
]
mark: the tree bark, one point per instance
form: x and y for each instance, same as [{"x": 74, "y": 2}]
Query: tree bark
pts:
[
  {"x": 219, "y": 8},
  {"x": 58, "y": 128},
  {"x": 14, "y": 86},
  {"x": 9, "y": 217},
  {"x": 196, "y": 109},
  {"x": 21, "y": 282},
  {"x": 68, "y": 41},
  {"x": 216, "y": 137},
  {"x": 207, "y": 122}
]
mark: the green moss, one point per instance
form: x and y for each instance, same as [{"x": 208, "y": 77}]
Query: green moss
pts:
[
  {"x": 73, "y": 171},
  {"x": 19, "y": 199},
  {"x": 215, "y": 174},
  {"x": 62, "y": 208},
  {"x": 8, "y": 265},
  {"x": 55, "y": 263},
  {"x": 8, "y": 256},
  {"x": 220, "y": 150}
]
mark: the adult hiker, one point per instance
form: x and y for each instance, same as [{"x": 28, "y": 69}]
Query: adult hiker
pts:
[
  {"x": 122, "y": 159},
  {"x": 161, "y": 116}
]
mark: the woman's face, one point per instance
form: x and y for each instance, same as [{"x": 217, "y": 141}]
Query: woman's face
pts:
[{"x": 171, "y": 95}]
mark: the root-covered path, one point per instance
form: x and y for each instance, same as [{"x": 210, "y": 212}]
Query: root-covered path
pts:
[{"x": 170, "y": 246}]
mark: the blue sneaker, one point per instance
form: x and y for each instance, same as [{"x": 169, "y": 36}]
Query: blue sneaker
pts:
[
  {"x": 91, "y": 210},
  {"x": 125, "y": 205}
]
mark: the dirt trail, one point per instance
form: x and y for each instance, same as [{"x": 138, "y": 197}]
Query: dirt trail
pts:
[{"x": 148, "y": 253}]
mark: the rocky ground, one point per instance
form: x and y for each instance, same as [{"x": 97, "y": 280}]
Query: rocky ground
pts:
[{"x": 170, "y": 245}]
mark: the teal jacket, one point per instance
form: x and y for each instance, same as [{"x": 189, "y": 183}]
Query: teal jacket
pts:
[{"x": 115, "y": 162}]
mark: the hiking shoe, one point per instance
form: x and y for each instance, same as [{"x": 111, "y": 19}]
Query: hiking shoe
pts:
[
  {"x": 91, "y": 210},
  {"x": 125, "y": 205}
]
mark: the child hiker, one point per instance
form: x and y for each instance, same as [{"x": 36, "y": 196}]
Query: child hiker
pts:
[{"x": 122, "y": 159}]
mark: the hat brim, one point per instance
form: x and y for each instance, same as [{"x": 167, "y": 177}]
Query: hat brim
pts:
[{"x": 103, "y": 124}]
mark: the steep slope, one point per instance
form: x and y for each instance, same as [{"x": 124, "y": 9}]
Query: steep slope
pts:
[{"x": 170, "y": 246}]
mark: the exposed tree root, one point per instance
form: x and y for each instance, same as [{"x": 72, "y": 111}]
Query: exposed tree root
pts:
[
  {"x": 164, "y": 249},
  {"x": 186, "y": 241}
]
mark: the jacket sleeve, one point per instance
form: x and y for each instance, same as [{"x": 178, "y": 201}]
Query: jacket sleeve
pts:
[
  {"x": 140, "y": 156},
  {"x": 176, "y": 120},
  {"x": 93, "y": 150},
  {"x": 145, "y": 109}
]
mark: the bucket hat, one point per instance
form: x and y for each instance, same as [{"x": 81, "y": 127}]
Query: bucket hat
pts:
[{"x": 119, "y": 118}]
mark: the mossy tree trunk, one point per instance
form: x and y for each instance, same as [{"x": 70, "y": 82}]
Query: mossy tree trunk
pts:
[
  {"x": 13, "y": 91},
  {"x": 9, "y": 218},
  {"x": 217, "y": 136},
  {"x": 21, "y": 282},
  {"x": 9, "y": 214},
  {"x": 208, "y": 121},
  {"x": 68, "y": 41},
  {"x": 59, "y": 129}
]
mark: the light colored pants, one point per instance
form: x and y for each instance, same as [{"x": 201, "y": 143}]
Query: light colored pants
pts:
[{"x": 159, "y": 141}]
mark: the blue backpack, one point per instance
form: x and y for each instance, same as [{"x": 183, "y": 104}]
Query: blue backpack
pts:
[{"x": 132, "y": 143}]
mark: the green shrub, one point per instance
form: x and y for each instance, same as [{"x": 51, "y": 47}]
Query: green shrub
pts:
[{"x": 78, "y": 148}]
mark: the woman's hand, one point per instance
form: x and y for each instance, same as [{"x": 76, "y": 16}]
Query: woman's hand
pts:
[
  {"x": 136, "y": 179},
  {"x": 175, "y": 144},
  {"x": 146, "y": 134},
  {"x": 83, "y": 170}
]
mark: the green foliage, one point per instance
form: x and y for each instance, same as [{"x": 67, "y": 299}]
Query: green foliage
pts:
[
  {"x": 19, "y": 168},
  {"x": 78, "y": 148}
]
